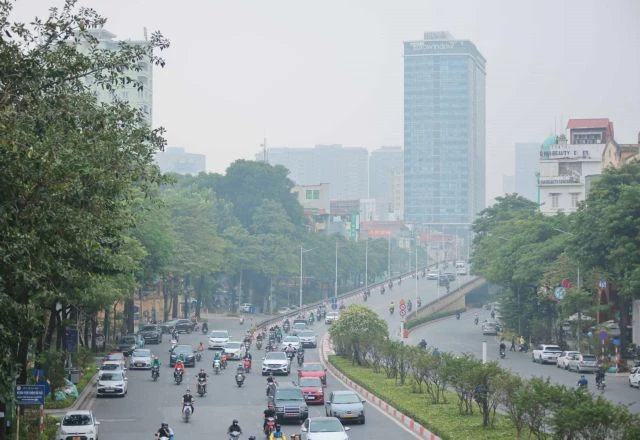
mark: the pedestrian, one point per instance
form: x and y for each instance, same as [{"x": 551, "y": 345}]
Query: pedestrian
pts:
[
  {"x": 521, "y": 342},
  {"x": 513, "y": 343}
]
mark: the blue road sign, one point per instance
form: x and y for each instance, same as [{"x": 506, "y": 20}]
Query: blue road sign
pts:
[
  {"x": 334, "y": 300},
  {"x": 602, "y": 284},
  {"x": 29, "y": 394}
]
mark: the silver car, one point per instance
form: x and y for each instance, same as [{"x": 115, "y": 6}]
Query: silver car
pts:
[
  {"x": 582, "y": 363},
  {"x": 294, "y": 341},
  {"x": 323, "y": 428},
  {"x": 346, "y": 405},
  {"x": 141, "y": 358},
  {"x": 308, "y": 338}
]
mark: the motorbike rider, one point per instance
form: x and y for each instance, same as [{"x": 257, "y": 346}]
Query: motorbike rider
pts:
[
  {"x": 179, "y": 368},
  {"x": 200, "y": 347},
  {"x": 164, "y": 431},
  {"x": 202, "y": 375},
  {"x": 582, "y": 382},
  {"x": 392, "y": 306},
  {"x": 476, "y": 318},
  {"x": 278, "y": 333},
  {"x": 156, "y": 364},
  {"x": 205, "y": 327},
  {"x": 290, "y": 351},
  {"x": 174, "y": 334},
  {"x": 599, "y": 376},
  {"x": 423, "y": 344},
  {"x": 269, "y": 412},
  {"x": 503, "y": 347},
  {"x": 234, "y": 427},
  {"x": 457, "y": 315},
  {"x": 277, "y": 434},
  {"x": 187, "y": 399}
]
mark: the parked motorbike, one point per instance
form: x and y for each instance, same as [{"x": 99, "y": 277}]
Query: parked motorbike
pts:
[
  {"x": 216, "y": 366},
  {"x": 202, "y": 386},
  {"x": 240, "y": 378},
  {"x": 155, "y": 373},
  {"x": 186, "y": 412}
]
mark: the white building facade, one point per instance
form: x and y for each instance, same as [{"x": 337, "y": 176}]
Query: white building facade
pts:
[{"x": 564, "y": 169}]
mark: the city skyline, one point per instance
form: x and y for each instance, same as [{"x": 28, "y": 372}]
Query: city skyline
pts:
[{"x": 239, "y": 72}]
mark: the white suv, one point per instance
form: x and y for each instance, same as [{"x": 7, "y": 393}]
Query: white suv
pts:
[
  {"x": 275, "y": 362},
  {"x": 546, "y": 353}
]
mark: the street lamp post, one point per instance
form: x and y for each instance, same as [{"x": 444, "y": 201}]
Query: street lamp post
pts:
[
  {"x": 389, "y": 256},
  {"x": 578, "y": 284},
  {"x": 302, "y": 251},
  {"x": 366, "y": 265},
  {"x": 416, "y": 273}
]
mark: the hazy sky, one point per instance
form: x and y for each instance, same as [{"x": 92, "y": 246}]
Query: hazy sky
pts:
[{"x": 311, "y": 72}]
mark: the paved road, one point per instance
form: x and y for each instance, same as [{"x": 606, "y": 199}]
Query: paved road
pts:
[
  {"x": 463, "y": 336},
  {"x": 139, "y": 414}
]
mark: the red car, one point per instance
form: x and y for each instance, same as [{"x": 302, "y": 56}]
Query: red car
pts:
[
  {"x": 313, "y": 369},
  {"x": 312, "y": 390}
]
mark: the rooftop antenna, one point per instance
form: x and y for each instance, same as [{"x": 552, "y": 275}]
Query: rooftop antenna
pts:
[
  {"x": 144, "y": 30},
  {"x": 265, "y": 157}
]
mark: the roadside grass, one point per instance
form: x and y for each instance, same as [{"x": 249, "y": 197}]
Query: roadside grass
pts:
[
  {"x": 443, "y": 420},
  {"x": 411, "y": 323}
]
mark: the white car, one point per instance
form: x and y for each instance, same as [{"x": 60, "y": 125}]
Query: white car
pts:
[
  {"x": 218, "y": 338},
  {"x": 308, "y": 339},
  {"x": 275, "y": 362},
  {"x": 233, "y": 350},
  {"x": 112, "y": 383},
  {"x": 78, "y": 424},
  {"x": 331, "y": 316},
  {"x": 323, "y": 428},
  {"x": 246, "y": 307},
  {"x": 433, "y": 275},
  {"x": 293, "y": 340},
  {"x": 141, "y": 358},
  {"x": 546, "y": 353},
  {"x": 564, "y": 358},
  {"x": 634, "y": 377}
]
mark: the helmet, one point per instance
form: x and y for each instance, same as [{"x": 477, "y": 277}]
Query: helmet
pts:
[
  {"x": 202, "y": 370},
  {"x": 188, "y": 391},
  {"x": 165, "y": 425},
  {"x": 270, "y": 405},
  {"x": 235, "y": 421}
]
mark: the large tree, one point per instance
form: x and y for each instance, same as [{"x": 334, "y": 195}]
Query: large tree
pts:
[{"x": 70, "y": 165}]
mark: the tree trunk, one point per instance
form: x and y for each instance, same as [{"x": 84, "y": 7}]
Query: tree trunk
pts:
[
  {"x": 51, "y": 326},
  {"x": 106, "y": 329}
]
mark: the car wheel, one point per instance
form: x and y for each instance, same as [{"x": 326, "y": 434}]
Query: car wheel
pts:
[
  {"x": 533, "y": 359},
  {"x": 362, "y": 420}
]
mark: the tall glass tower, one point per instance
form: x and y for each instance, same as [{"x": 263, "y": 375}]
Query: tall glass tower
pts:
[{"x": 444, "y": 130}]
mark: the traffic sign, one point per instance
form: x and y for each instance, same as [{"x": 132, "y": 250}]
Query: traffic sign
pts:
[
  {"x": 560, "y": 292},
  {"x": 603, "y": 284},
  {"x": 29, "y": 394},
  {"x": 403, "y": 308},
  {"x": 603, "y": 335}
]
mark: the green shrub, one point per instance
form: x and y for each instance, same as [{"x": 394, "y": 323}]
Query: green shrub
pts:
[
  {"x": 428, "y": 318},
  {"x": 442, "y": 419}
]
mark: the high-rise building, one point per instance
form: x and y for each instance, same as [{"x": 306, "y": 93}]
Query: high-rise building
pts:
[
  {"x": 527, "y": 170},
  {"x": 139, "y": 97},
  {"x": 444, "y": 130},
  {"x": 176, "y": 160},
  {"x": 384, "y": 163},
  {"x": 344, "y": 168}
]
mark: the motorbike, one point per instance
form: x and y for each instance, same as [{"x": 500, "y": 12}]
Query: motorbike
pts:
[
  {"x": 259, "y": 344},
  {"x": 155, "y": 373},
  {"x": 290, "y": 355},
  {"x": 399, "y": 281},
  {"x": 198, "y": 356},
  {"x": 202, "y": 386},
  {"x": 476, "y": 320},
  {"x": 234, "y": 435},
  {"x": 270, "y": 426},
  {"x": 311, "y": 319},
  {"x": 600, "y": 384},
  {"x": 223, "y": 362},
  {"x": 391, "y": 310},
  {"x": 300, "y": 356},
  {"x": 241, "y": 320},
  {"x": 286, "y": 327},
  {"x": 177, "y": 376},
  {"x": 196, "y": 327},
  {"x": 205, "y": 328},
  {"x": 382, "y": 291},
  {"x": 246, "y": 364},
  {"x": 174, "y": 342},
  {"x": 186, "y": 412},
  {"x": 240, "y": 378},
  {"x": 458, "y": 316},
  {"x": 216, "y": 366},
  {"x": 502, "y": 353}
]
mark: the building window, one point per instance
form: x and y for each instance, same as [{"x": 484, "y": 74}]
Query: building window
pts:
[
  {"x": 554, "y": 200},
  {"x": 575, "y": 199},
  {"x": 316, "y": 194},
  {"x": 308, "y": 194}
]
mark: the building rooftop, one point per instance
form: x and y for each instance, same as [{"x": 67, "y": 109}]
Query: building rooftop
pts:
[{"x": 588, "y": 123}]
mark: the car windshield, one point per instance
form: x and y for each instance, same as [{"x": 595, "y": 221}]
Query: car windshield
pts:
[
  {"x": 147, "y": 328},
  {"x": 129, "y": 340},
  {"x": 299, "y": 325},
  {"x": 111, "y": 376},
  {"x": 306, "y": 334},
  {"x": 588, "y": 357},
  {"x": 312, "y": 367},
  {"x": 345, "y": 398},
  {"x": 291, "y": 339},
  {"x": 77, "y": 420},
  {"x": 232, "y": 345},
  {"x": 110, "y": 366},
  {"x": 115, "y": 356},
  {"x": 289, "y": 394},
  {"x": 182, "y": 349},
  {"x": 142, "y": 353},
  {"x": 219, "y": 334},
  {"x": 325, "y": 425},
  {"x": 278, "y": 355},
  {"x": 310, "y": 382},
  {"x": 552, "y": 348}
]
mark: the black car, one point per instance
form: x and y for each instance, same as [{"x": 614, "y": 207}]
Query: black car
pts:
[
  {"x": 127, "y": 344},
  {"x": 290, "y": 405},
  {"x": 184, "y": 325},
  {"x": 443, "y": 280},
  {"x": 167, "y": 326},
  {"x": 187, "y": 353},
  {"x": 151, "y": 333}
]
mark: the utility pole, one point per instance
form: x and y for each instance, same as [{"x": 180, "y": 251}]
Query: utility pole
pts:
[
  {"x": 366, "y": 265},
  {"x": 265, "y": 156}
]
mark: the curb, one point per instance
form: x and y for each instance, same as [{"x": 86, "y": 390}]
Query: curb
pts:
[{"x": 404, "y": 420}]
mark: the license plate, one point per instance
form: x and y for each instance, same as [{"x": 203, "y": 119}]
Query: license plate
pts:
[
  {"x": 291, "y": 415},
  {"x": 139, "y": 364},
  {"x": 77, "y": 437},
  {"x": 350, "y": 415},
  {"x": 311, "y": 397}
]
